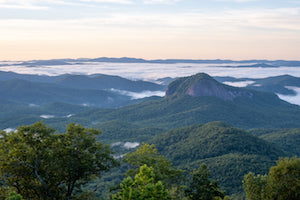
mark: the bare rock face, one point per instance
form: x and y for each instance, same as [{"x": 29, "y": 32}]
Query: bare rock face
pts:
[{"x": 204, "y": 85}]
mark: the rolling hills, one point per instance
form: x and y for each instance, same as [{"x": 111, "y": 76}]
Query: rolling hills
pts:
[{"x": 229, "y": 152}]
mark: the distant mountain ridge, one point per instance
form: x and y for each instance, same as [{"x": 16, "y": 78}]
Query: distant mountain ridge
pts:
[
  {"x": 276, "y": 84},
  {"x": 290, "y": 63},
  {"x": 93, "y": 81},
  {"x": 26, "y": 92}
]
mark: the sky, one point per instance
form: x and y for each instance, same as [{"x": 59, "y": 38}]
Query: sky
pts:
[{"x": 150, "y": 29}]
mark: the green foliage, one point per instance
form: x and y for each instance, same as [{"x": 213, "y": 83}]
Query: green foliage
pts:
[
  {"x": 255, "y": 186},
  {"x": 143, "y": 187},
  {"x": 284, "y": 179},
  {"x": 163, "y": 170},
  {"x": 229, "y": 153},
  {"x": 201, "y": 187},
  {"x": 41, "y": 163},
  {"x": 120, "y": 130},
  {"x": 14, "y": 196},
  {"x": 287, "y": 139},
  {"x": 282, "y": 182}
]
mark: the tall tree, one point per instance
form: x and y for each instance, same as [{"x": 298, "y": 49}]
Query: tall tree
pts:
[
  {"x": 201, "y": 187},
  {"x": 143, "y": 187},
  {"x": 163, "y": 169},
  {"x": 282, "y": 182},
  {"x": 255, "y": 186},
  {"x": 43, "y": 164},
  {"x": 284, "y": 179}
]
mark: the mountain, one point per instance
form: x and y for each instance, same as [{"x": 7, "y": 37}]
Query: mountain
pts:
[
  {"x": 204, "y": 85},
  {"x": 25, "y": 92},
  {"x": 101, "y": 82},
  {"x": 274, "y": 63},
  {"x": 229, "y": 152},
  {"x": 277, "y": 84},
  {"x": 201, "y": 99},
  {"x": 45, "y": 62},
  {"x": 261, "y": 65},
  {"x": 5, "y": 76},
  {"x": 94, "y": 81},
  {"x": 189, "y": 100}
]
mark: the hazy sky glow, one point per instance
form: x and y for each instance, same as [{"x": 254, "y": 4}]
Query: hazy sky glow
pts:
[{"x": 150, "y": 29}]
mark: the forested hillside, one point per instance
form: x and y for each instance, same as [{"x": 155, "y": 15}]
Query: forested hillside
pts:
[{"x": 229, "y": 152}]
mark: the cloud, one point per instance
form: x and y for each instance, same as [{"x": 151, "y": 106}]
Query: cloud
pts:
[
  {"x": 8, "y": 130},
  {"x": 160, "y": 1},
  {"x": 239, "y": 1},
  {"x": 139, "y": 95},
  {"x": 126, "y": 145},
  {"x": 294, "y": 99},
  {"x": 239, "y": 83},
  {"x": 116, "y": 144},
  {"x": 131, "y": 145},
  {"x": 47, "y": 116},
  {"x": 46, "y": 4},
  {"x": 26, "y": 5},
  {"x": 205, "y": 22},
  {"x": 108, "y": 1}
]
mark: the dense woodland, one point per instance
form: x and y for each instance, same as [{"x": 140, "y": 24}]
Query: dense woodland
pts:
[{"x": 39, "y": 163}]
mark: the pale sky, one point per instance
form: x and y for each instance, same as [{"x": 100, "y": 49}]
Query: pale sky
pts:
[{"x": 150, "y": 29}]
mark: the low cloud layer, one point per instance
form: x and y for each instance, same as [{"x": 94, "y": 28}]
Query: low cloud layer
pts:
[
  {"x": 126, "y": 145},
  {"x": 152, "y": 71},
  {"x": 291, "y": 99},
  {"x": 140, "y": 95},
  {"x": 239, "y": 84},
  {"x": 7, "y": 130},
  {"x": 47, "y": 116}
]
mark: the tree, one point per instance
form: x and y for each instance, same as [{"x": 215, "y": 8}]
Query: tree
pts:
[
  {"x": 163, "y": 169},
  {"x": 143, "y": 187},
  {"x": 201, "y": 187},
  {"x": 43, "y": 164},
  {"x": 284, "y": 179},
  {"x": 282, "y": 182},
  {"x": 255, "y": 186},
  {"x": 14, "y": 196}
]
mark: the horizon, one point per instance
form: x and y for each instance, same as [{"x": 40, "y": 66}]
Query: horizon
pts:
[
  {"x": 153, "y": 59},
  {"x": 150, "y": 29}
]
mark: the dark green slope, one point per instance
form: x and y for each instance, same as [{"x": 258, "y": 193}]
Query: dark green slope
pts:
[
  {"x": 101, "y": 82},
  {"x": 26, "y": 92},
  {"x": 287, "y": 139},
  {"x": 13, "y": 115},
  {"x": 229, "y": 152},
  {"x": 201, "y": 99},
  {"x": 117, "y": 130}
]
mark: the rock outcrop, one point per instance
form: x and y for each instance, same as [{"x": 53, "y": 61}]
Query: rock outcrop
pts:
[{"x": 203, "y": 85}]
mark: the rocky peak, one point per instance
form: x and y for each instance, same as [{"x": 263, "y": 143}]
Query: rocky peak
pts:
[{"x": 203, "y": 85}]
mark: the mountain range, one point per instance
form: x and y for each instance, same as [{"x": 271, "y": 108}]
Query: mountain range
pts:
[
  {"x": 166, "y": 61},
  {"x": 233, "y": 130}
]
